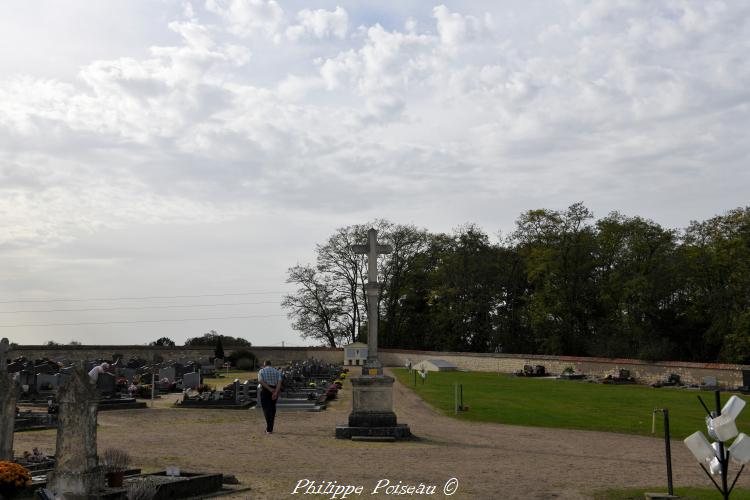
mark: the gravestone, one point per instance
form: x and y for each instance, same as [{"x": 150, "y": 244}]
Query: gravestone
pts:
[
  {"x": 191, "y": 380},
  {"x": 372, "y": 393},
  {"x": 8, "y": 395},
  {"x": 106, "y": 384},
  {"x": 76, "y": 474},
  {"x": 168, "y": 373},
  {"x": 47, "y": 382},
  {"x": 128, "y": 373}
]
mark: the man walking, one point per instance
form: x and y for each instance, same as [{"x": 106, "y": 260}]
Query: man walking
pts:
[{"x": 270, "y": 382}]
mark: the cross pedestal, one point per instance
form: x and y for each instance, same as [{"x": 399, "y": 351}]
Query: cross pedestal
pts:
[{"x": 372, "y": 413}]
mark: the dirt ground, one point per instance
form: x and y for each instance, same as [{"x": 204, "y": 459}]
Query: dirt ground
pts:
[{"x": 489, "y": 461}]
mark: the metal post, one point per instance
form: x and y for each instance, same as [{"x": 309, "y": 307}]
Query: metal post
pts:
[
  {"x": 153, "y": 387},
  {"x": 455, "y": 398},
  {"x": 722, "y": 456},
  {"x": 668, "y": 448}
]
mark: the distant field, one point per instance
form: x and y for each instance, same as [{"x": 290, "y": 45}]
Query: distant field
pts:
[{"x": 507, "y": 399}]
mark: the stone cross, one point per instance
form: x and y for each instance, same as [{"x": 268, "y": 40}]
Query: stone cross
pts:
[{"x": 372, "y": 249}]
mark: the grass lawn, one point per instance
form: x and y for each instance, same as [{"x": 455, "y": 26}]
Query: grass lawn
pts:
[
  {"x": 684, "y": 493},
  {"x": 507, "y": 399},
  {"x": 228, "y": 378}
]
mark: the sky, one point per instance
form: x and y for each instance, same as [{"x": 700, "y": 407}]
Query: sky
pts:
[{"x": 163, "y": 162}]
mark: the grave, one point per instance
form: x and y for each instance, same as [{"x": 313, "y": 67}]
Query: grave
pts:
[
  {"x": 532, "y": 371},
  {"x": 47, "y": 383},
  {"x": 709, "y": 384},
  {"x": 76, "y": 473},
  {"x": 35, "y": 420},
  {"x": 435, "y": 365},
  {"x": 8, "y": 395},
  {"x": 234, "y": 396},
  {"x": 621, "y": 377},
  {"x": 110, "y": 397},
  {"x": 372, "y": 392},
  {"x": 191, "y": 380}
]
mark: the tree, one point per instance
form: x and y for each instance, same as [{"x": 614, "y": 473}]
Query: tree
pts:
[
  {"x": 316, "y": 309},
  {"x": 330, "y": 303},
  {"x": 163, "y": 341},
  {"x": 219, "y": 349},
  {"x": 209, "y": 340},
  {"x": 558, "y": 249},
  {"x": 717, "y": 256},
  {"x": 638, "y": 283}
]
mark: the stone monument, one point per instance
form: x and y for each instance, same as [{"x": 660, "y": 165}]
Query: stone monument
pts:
[
  {"x": 8, "y": 395},
  {"x": 77, "y": 474},
  {"x": 372, "y": 413}
]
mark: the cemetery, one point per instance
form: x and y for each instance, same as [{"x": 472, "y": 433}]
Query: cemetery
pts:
[
  {"x": 229, "y": 441},
  {"x": 537, "y": 418}
]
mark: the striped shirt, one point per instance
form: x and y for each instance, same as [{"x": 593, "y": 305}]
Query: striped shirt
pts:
[{"x": 270, "y": 376}]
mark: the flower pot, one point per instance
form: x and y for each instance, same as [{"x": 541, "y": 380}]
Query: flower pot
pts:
[{"x": 114, "y": 479}]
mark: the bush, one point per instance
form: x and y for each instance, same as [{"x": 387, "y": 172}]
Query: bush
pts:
[
  {"x": 240, "y": 354},
  {"x": 245, "y": 364}
]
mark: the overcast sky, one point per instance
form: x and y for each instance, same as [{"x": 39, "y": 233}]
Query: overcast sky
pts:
[{"x": 196, "y": 150}]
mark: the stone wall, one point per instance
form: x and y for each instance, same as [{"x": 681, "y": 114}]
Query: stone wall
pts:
[
  {"x": 89, "y": 352},
  {"x": 644, "y": 372}
]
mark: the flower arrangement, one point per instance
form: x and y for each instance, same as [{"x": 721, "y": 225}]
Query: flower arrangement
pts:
[
  {"x": 114, "y": 462},
  {"x": 13, "y": 478},
  {"x": 203, "y": 388}
]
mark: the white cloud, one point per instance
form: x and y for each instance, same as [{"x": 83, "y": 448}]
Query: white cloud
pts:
[
  {"x": 455, "y": 28},
  {"x": 495, "y": 110},
  {"x": 247, "y": 18},
  {"x": 320, "y": 23}
]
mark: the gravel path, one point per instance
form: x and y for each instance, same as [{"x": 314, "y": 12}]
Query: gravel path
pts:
[{"x": 490, "y": 461}]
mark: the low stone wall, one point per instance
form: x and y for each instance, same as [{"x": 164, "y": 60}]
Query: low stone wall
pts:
[
  {"x": 644, "y": 372},
  {"x": 279, "y": 355}
]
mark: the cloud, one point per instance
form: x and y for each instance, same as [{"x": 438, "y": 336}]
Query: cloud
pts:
[
  {"x": 232, "y": 117},
  {"x": 248, "y": 18},
  {"x": 320, "y": 23},
  {"x": 455, "y": 28}
]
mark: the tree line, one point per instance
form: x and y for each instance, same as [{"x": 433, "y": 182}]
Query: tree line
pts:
[{"x": 561, "y": 283}]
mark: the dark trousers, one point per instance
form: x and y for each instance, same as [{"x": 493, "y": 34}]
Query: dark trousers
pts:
[{"x": 269, "y": 408}]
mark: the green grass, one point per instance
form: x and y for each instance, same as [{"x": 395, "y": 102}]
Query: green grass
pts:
[
  {"x": 228, "y": 378},
  {"x": 684, "y": 493},
  {"x": 506, "y": 399}
]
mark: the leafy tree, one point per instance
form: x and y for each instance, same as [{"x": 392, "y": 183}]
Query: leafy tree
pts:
[
  {"x": 330, "y": 303},
  {"x": 639, "y": 285},
  {"x": 558, "y": 250},
  {"x": 210, "y": 339},
  {"x": 717, "y": 256},
  {"x": 561, "y": 284},
  {"x": 164, "y": 341},
  {"x": 237, "y": 357}
]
